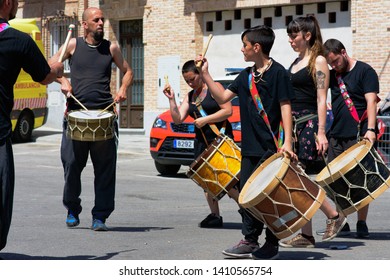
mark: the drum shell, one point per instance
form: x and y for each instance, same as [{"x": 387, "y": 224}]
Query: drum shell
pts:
[
  {"x": 287, "y": 203},
  {"x": 90, "y": 129},
  {"x": 361, "y": 180},
  {"x": 217, "y": 169}
]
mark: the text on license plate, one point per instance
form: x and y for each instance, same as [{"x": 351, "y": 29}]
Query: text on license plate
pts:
[{"x": 184, "y": 144}]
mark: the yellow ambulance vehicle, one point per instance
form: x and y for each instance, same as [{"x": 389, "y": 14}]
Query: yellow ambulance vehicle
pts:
[{"x": 30, "y": 105}]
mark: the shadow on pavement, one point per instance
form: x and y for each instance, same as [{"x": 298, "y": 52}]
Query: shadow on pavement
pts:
[{"x": 107, "y": 256}]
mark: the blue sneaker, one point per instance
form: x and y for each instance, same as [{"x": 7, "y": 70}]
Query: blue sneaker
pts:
[
  {"x": 98, "y": 225},
  {"x": 72, "y": 220}
]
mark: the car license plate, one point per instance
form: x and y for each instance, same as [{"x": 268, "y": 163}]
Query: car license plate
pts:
[{"x": 183, "y": 144}]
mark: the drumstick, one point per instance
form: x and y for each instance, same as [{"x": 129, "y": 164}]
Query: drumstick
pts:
[
  {"x": 324, "y": 159},
  {"x": 105, "y": 109},
  {"x": 199, "y": 64},
  {"x": 71, "y": 95},
  {"x": 71, "y": 27},
  {"x": 167, "y": 82}
]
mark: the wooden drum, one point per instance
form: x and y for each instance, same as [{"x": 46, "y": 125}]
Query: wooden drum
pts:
[
  {"x": 280, "y": 194},
  {"x": 91, "y": 125},
  {"x": 217, "y": 169},
  {"x": 357, "y": 177}
]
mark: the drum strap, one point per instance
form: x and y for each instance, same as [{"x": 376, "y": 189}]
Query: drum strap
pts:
[
  {"x": 3, "y": 26},
  {"x": 213, "y": 127},
  {"x": 348, "y": 101},
  {"x": 259, "y": 105}
]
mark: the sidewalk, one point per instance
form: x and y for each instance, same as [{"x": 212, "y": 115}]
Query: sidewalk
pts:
[{"x": 131, "y": 141}]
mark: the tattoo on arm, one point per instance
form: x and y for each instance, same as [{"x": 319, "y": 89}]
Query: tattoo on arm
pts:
[{"x": 320, "y": 79}]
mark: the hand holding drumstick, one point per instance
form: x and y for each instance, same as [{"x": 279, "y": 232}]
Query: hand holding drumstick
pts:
[
  {"x": 168, "y": 91},
  {"x": 62, "y": 54},
  {"x": 199, "y": 62}
]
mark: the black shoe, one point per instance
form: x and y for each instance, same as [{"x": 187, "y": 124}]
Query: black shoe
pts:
[
  {"x": 266, "y": 252},
  {"x": 211, "y": 221},
  {"x": 362, "y": 230}
]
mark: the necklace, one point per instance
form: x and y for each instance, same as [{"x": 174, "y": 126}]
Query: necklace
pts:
[
  {"x": 258, "y": 75},
  {"x": 92, "y": 46}
]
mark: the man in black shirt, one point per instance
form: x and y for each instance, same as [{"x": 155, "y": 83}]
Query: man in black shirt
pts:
[
  {"x": 17, "y": 51},
  {"x": 362, "y": 87},
  {"x": 91, "y": 59}
]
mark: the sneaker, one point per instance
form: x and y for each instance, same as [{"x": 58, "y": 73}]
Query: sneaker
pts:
[
  {"x": 362, "y": 230},
  {"x": 72, "y": 220},
  {"x": 345, "y": 231},
  {"x": 243, "y": 250},
  {"x": 267, "y": 252},
  {"x": 333, "y": 226},
  {"x": 98, "y": 225},
  {"x": 211, "y": 221},
  {"x": 298, "y": 241}
]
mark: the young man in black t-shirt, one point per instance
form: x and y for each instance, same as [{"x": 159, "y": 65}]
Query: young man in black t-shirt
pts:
[
  {"x": 275, "y": 91},
  {"x": 362, "y": 86}
]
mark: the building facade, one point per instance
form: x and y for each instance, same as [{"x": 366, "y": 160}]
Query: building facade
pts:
[{"x": 158, "y": 36}]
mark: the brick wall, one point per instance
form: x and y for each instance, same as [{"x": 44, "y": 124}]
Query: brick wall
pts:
[{"x": 370, "y": 22}]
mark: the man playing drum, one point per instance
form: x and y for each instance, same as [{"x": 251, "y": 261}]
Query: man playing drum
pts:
[
  {"x": 91, "y": 58},
  {"x": 356, "y": 83}
]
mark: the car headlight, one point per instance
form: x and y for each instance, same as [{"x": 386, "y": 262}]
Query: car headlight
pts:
[
  {"x": 159, "y": 123},
  {"x": 236, "y": 126}
]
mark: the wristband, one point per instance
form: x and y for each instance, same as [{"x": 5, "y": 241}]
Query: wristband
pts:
[{"x": 371, "y": 129}]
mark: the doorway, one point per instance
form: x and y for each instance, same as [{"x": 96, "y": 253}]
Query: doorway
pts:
[{"x": 131, "y": 113}]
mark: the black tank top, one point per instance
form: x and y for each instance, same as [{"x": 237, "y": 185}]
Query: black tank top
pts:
[
  {"x": 90, "y": 75},
  {"x": 305, "y": 91},
  {"x": 210, "y": 106}
]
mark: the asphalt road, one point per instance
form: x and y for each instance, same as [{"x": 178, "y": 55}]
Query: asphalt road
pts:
[{"x": 155, "y": 218}]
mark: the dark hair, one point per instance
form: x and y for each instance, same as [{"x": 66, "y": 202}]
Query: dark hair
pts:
[
  {"x": 334, "y": 46},
  {"x": 305, "y": 25},
  {"x": 261, "y": 34},
  {"x": 189, "y": 66}
]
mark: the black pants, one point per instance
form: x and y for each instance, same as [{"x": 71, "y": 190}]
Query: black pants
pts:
[
  {"x": 252, "y": 227},
  {"x": 7, "y": 186},
  {"x": 74, "y": 156}
]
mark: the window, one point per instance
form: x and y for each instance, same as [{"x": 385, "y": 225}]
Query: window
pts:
[
  {"x": 299, "y": 10},
  {"x": 288, "y": 19},
  {"x": 278, "y": 11},
  {"x": 321, "y": 8},
  {"x": 332, "y": 17},
  {"x": 58, "y": 29},
  {"x": 209, "y": 26},
  {"x": 247, "y": 23},
  {"x": 268, "y": 21},
  {"x": 257, "y": 13},
  {"x": 237, "y": 14},
  {"x": 218, "y": 16},
  {"x": 228, "y": 25}
]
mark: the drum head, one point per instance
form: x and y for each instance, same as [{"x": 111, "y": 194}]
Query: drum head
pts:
[
  {"x": 264, "y": 179},
  {"x": 344, "y": 162},
  {"x": 90, "y": 114}
]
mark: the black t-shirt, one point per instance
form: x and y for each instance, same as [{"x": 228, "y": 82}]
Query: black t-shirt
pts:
[
  {"x": 17, "y": 51},
  {"x": 274, "y": 88},
  {"x": 210, "y": 106},
  {"x": 360, "y": 80}
]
